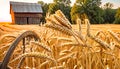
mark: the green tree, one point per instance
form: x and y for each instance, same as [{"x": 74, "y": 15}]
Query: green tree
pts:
[
  {"x": 77, "y": 11},
  {"x": 60, "y": 6},
  {"x": 45, "y": 7},
  {"x": 109, "y": 13},
  {"x": 108, "y": 5},
  {"x": 88, "y": 7},
  {"x": 117, "y": 16},
  {"x": 65, "y": 2},
  {"x": 53, "y": 7}
]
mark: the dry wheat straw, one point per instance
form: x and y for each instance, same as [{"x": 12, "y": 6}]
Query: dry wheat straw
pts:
[
  {"x": 99, "y": 32},
  {"x": 117, "y": 46},
  {"x": 60, "y": 14},
  {"x": 62, "y": 21},
  {"x": 52, "y": 21},
  {"x": 72, "y": 48},
  {"x": 64, "y": 30},
  {"x": 102, "y": 43},
  {"x": 75, "y": 67},
  {"x": 42, "y": 46},
  {"x": 5, "y": 46},
  {"x": 58, "y": 67},
  {"x": 80, "y": 36},
  {"x": 70, "y": 44},
  {"x": 59, "y": 28},
  {"x": 42, "y": 64},
  {"x": 62, "y": 39},
  {"x": 34, "y": 54},
  {"x": 66, "y": 57},
  {"x": 64, "y": 52},
  {"x": 79, "y": 24},
  {"x": 7, "y": 35},
  {"x": 114, "y": 36}
]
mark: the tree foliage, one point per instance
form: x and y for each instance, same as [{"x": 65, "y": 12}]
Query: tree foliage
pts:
[
  {"x": 88, "y": 7},
  {"x": 109, "y": 13},
  {"x": 60, "y": 5},
  {"x": 45, "y": 7},
  {"x": 53, "y": 7},
  {"x": 108, "y": 5},
  {"x": 83, "y": 9},
  {"x": 117, "y": 17}
]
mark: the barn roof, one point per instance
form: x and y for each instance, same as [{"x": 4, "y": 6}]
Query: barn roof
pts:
[{"x": 23, "y": 7}]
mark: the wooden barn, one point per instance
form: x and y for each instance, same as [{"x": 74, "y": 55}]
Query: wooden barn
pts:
[{"x": 25, "y": 13}]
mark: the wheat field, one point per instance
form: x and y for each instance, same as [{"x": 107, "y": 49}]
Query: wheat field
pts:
[{"x": 62, "y": 45}]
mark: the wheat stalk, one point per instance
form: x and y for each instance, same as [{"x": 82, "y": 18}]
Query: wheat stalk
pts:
[
  {"x": 102, "y": 43},
  {"x": 70, "y": 44},
  {"x": 59, "y": 28},
  {"x": 7, "y": 35},
  {"x": 72, "y": 48},
  {"x": 65, "y": 57},
  {"x": 58, "y": 67},
  {"x": 114, "y": 36},
  {"x": 79, "y": 24},
  {"x": 44, "y": 63},
  {"x": 60, "y": 14},
  {"x": 62, "y": 22},
  {"x": 75, "y": 67},
  {"x": 64, "y": 30},
  {"x": 64, "y": 52},
  {"x": 62, "y": 39},
  {"x": 42, "y": 46},
  {"x": 52, "y": 21},
  {"x": 34, "y": 54},
  {"x": 5, "y": 46}
]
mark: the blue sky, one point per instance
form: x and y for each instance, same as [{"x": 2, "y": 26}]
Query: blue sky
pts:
[{"x": 4, "y": 7}]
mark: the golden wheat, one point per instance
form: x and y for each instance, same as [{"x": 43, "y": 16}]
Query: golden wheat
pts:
[
  {"x": 66, "y": 47},
  {"x": 34, "y": 54},
  {"x": 62, "y": 22},
  {"x": 42, "y": 46},
  {"x": 60, "y": 14}
]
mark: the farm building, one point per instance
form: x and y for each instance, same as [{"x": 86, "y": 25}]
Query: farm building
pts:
[{"x": 25, "y": 13}]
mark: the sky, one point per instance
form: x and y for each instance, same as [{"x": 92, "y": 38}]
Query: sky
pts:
[{"x": 6, "y": 17}]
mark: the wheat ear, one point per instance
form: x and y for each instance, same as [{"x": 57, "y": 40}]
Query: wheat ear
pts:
[
  {"x": 62, "y": 39},
  {"x": 59, "y": 28},
  {"x": 102, "y": 43},
  {"x": 58, "y": 67},
  {"x": 63, "y": 30},
  {"x": 51, "y": 20},
  {"x": 114, "y": 36},
  {"x": 62, "y": 22},
  {"x": 60, "y": 14},
  {"x": 7, "y": 35},
  {"x": 42, "y": 46},
  {"x": 66, "y": 57},
  {"x": 70, "y": 44},
  {"x": 5, "y": 46},
  {"x": 34, "y": 54},
  {"x": 79, "y": 24},
  {"x": 44, "y": 63}
]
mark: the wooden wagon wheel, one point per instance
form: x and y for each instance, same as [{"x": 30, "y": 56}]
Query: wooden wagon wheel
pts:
[{"x": 13, "y": 46}]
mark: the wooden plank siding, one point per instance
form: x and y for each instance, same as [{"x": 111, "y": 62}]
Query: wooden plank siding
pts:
[
  {"x": 27, "y": 20},
  {"x": 25, "y": 13},
  {"x": 12, "y": 15},
  {"x": 28, "y": 15}
]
